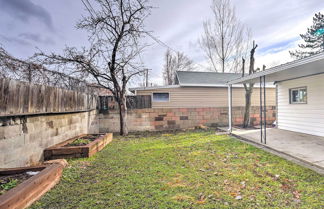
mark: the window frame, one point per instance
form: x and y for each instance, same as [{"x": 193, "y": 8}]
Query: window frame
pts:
[
  {"x": 161, "y": 93},
  {"x": 298, "y": 89}
]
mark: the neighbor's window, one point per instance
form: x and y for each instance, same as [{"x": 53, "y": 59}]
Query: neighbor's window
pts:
[
  {"x": 160, "y": 97},
  {"x": 298, "y": 95}
]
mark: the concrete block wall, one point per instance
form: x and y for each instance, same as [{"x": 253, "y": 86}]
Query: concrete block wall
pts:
[
  {"x": 156, "y": 119},
  {"x": 23, "y": 138}
]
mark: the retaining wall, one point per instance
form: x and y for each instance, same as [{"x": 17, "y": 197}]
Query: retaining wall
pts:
[{"x": 156, "y": 119}]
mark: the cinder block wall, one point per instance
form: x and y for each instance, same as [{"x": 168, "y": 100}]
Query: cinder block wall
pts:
[
  {"x": 23, "y": 138},
  {"x": 157, "y": 119}
]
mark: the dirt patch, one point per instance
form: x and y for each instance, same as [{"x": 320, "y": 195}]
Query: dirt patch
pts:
[{"x": 182, "y": 197}]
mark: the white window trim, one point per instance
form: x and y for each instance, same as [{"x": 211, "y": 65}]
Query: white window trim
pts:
[
  {"x": 298, "y": 89},
  {"x": 161, "y": 93}
]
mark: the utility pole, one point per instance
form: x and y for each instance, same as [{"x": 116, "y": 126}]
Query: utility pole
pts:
[{"x": 146, "y": 73}]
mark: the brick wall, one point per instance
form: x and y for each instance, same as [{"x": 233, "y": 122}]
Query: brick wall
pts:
[
  {"x": 23, "y": 138},
  {"x": 179, "y": 118}
]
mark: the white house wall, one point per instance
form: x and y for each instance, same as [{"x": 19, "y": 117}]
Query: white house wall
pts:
[{"x": 306, "y": 118}]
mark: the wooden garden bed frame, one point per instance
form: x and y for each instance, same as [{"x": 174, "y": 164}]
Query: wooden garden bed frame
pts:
[
  {"x": 30, "y": 190},
  {"x": 59, "y": 151}
]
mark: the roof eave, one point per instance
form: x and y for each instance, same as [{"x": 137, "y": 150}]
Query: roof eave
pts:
[
  {"x": 152, "y": 88},
  {"x": 279, "y": 68},
  {"x": 203, "y": 85}
]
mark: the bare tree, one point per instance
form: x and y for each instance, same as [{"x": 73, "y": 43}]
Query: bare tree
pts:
[
  {"x": 116, "y": 28},
  {"x": 168, "y": 71},
  {"x": 225, "y": 41},
  {"x": 175, "y": 62},
  {"x": 248, "y": 86},
  {"x": 225, "y": 38}
]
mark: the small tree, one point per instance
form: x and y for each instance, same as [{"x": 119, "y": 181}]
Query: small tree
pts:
[
  {"x": 313, "y": 38},
  {"x": 225, "y": 38},
  {"x": 115, "y": 27},
  {"x": 248, "y": 86},
  {"x": 175, "y": 62}
]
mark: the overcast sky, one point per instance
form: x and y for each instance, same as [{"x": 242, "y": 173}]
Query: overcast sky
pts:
[{"x": 49, "y": 25}]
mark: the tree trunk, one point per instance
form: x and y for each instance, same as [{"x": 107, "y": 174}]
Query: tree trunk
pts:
[
  {"x": 223, "y": 65},
  {"x": 248, "y": 87},
  {"x": 123, "y": 116},
  {"x": 248, "y": 95}
]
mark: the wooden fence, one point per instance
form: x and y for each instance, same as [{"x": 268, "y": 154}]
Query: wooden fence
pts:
[
  {"x": 21, "y": 98},
  {"x": 108, "y": 103}
]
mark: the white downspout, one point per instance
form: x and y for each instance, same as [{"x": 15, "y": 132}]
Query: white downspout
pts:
[{"x": 230, "y": 108}]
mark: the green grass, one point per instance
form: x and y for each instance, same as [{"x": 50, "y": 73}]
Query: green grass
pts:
[
  {"x": 7, "y": 186},
  {"x": 79, "y": 142},
  {"x": 195, "y": 169}
]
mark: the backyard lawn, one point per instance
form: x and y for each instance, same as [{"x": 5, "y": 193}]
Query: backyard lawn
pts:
[{"x": 195, "y": 169}]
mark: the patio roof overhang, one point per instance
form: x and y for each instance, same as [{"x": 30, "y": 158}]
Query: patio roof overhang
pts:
[{"x": 297, "y": 69}]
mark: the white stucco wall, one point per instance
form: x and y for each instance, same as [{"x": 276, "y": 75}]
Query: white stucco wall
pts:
[{"x": 306, "y": 118}]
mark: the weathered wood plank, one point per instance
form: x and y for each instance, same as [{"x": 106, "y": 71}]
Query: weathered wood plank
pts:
[
  {"x": 24, "y": 194},
  {"x": 59, "y": 151},
  {"x": 21, "y": 98}
]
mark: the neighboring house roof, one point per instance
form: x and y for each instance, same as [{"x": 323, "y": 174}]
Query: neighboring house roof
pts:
[
  {"x": 153, "y": 88},
  {"x": 204, "y": 79},
  {"x": 309, "y": 66},
  {"x": 198, "y": 79}
]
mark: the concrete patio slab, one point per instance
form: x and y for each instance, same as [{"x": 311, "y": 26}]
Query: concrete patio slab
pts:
[{"x": 306, "y": 150}]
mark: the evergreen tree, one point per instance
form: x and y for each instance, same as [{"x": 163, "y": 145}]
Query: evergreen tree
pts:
[{"x": 313, "y": 38}]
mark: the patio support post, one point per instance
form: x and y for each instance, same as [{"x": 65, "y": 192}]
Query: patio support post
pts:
[
  {"x": 261, "y": 110},
  {"x": 265, "y": 109},
  {"x": 230, "y": 108}
]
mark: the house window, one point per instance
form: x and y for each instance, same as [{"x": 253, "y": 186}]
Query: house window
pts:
[
  {"x": 161, "y": 97},
  {"x": 298, "y": 95}
]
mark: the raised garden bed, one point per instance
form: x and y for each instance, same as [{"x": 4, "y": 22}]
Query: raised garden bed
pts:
[
  {"x": 81, "y": 146},
  {"x": 20, "y": 187}
]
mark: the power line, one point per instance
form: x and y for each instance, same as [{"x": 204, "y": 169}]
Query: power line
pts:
[
  {"x": 168, "y": 47},
  {"x": 86, "y": 6},
  {"x": 91, "y": 11},
  {"x": 95, "y": 15},
  {"x": 160, "y": 42}
]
